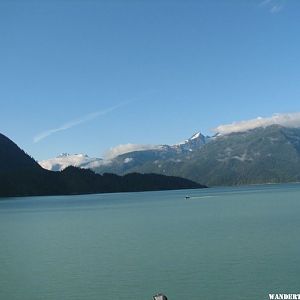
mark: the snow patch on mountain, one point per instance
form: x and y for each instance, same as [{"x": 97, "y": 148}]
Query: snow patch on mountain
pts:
[
  {"x": 195, "y": 136},
  {"x": 128, "y": 160}
]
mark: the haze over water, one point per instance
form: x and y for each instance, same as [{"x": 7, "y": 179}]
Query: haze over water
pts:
[{"x": 222, "y": 243}]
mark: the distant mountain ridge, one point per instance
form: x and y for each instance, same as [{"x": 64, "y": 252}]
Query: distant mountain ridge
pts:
[
  {"x": 268, "y": 154},
  {"x": 21, "y": 175}
]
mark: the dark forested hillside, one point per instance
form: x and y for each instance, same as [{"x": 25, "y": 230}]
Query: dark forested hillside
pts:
[{"x": 13, "y": 158}]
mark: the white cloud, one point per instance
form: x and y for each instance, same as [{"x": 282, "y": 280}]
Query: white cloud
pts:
[
  {"x": 73, "y": 123},
  {"x": 287, "y": 120},
  {"x": 125, "y": 148},
  {"x": 274, "y": 6}
]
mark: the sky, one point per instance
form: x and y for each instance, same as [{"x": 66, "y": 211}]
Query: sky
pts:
[{"x": 86, "y": 76}]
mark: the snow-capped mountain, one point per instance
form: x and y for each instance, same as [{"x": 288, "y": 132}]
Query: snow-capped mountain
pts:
[{"x": 77, "y": 160}]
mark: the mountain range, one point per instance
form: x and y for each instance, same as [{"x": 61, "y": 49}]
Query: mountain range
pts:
[
  {"x": 269, "y": 154},
  {"x": 21, "y": 175}
]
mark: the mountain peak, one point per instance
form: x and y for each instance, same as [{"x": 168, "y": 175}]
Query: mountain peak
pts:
[
  {"x": 63, "y": 155},
  {"x": 195, "y": 142},
  {"x": 197, "y": 135}
]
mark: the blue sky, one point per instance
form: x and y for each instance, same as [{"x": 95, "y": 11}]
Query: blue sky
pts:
[{"x": 85, "y": 76}]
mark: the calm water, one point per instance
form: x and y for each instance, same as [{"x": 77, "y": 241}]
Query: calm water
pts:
[{"x": 222, "y": 243}]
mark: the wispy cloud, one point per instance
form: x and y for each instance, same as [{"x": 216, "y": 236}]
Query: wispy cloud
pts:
[
  {"x": 76, "y": 122},
  {"x": 287, "y": 120},
  {"x": 274, "y": 6},
  {"x": 125, "y": 148}
]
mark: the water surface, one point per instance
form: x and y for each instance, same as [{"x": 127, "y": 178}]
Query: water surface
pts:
[{"x": 222, "y": 243}]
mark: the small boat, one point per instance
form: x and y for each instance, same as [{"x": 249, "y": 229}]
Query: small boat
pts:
[
  {"x": 160, "y": 296},
  {"x": 187, "y": 197}
]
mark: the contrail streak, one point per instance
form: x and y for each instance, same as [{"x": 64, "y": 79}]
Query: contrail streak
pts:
[{"x": 76, "y": 122}]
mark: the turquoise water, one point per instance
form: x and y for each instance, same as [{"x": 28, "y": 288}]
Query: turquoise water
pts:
[{"x": 222, "y": 243}]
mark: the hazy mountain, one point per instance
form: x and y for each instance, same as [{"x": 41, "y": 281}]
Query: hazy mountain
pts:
[
  {"x": 261, "y": 155},
  {"x": 21, "y": 175}
]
